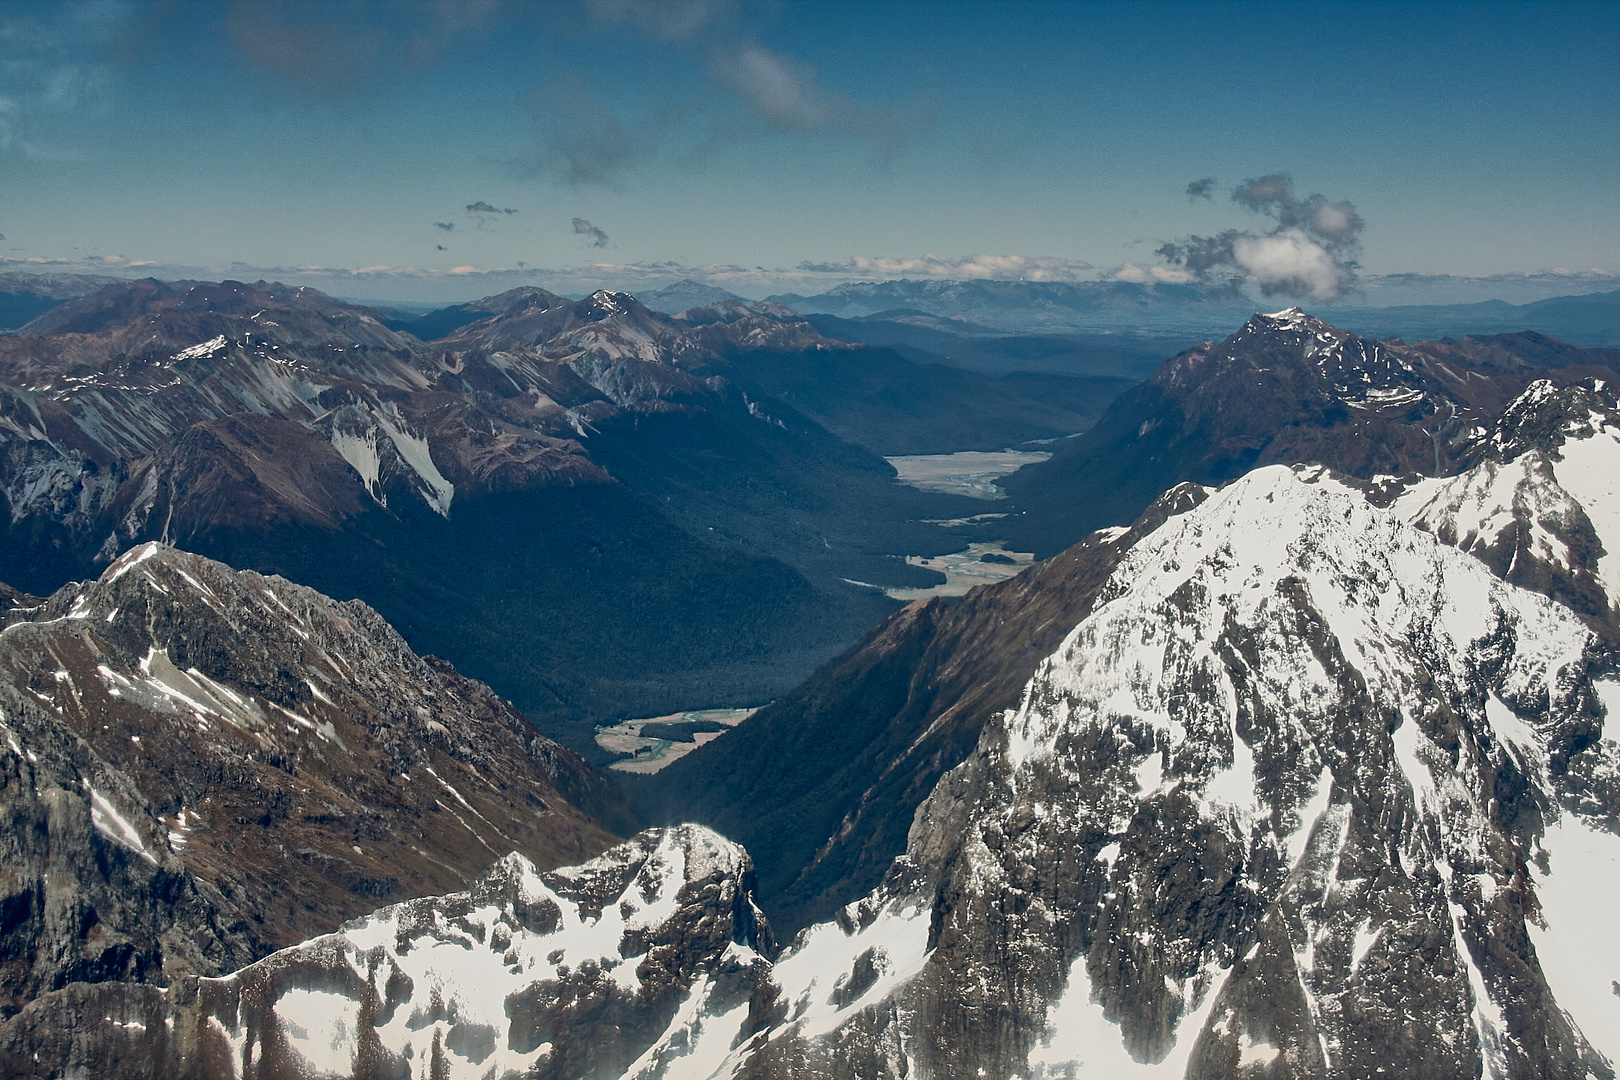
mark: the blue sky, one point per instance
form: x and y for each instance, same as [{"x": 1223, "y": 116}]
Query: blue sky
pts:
[{"x": 744, "y": 142}]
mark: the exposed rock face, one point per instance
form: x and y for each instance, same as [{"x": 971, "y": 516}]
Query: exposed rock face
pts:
[
  {"x": 307, "y": 409},
  {"x": 1289, "y": 388},
  {"x": 201, "y": 765},
  {"x": 822, "y": 784},
  {"x": 1279, "y": 801},
  {"x": 126, "y": 412},
  {"x": 1306, "y": 793}
]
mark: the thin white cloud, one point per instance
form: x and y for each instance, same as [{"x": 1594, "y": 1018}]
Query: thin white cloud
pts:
[
  {"x": 787, "y": 94},
  {"x": 584, "y": 141},
  {"x": 967, "y": 268},
  {"x": 783, "y": 90},
  {"x": 1146, "y": 275}
]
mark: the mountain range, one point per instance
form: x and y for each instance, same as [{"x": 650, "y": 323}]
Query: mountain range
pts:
[
  {"x": 203, "y": 765},
  {"x": 1040, "y": 308},
  {"x": 637, "y": 472},
  {"x": 24, "y": 297},
  {"x": 1298, "y": 765},
  {"x": 1032, "y": 305},
  {"x": 1285, "y": 388},
  {"x": 1305, "y": 789}
]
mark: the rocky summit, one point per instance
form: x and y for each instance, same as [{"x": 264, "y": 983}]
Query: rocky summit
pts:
[
  {"x": 1308, "y": 792},
  {"x": 822, "y": 784}
]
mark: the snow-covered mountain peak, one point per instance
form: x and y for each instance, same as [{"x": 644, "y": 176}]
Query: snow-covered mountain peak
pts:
[
  {"x": 1290, "y": 319},
  {"x": 1547, "y": 416},
  {"x": 1288, "y": 316},
  {"x": 220, "y": 713},
  {"x": 1273, "y": 561},
  {"x": 1307, "y": 786},
  {"x": 659, "y": 862},
  {"x": 1288, "y": 730},
  {"x": 609, "y": 968},
  {"x": 605, "y": 303}
]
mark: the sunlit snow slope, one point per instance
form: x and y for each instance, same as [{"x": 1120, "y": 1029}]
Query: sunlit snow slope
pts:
[{"x": 1543, "y": 507}]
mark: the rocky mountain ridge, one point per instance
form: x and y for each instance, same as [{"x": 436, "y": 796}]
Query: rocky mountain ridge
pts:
[
  {"x": 1294, "y": 787},
  {"x": 1147, "y": 309},
  {"x": 836, "y": 769},
  {"x": 821, "y": 785},
  {"x": 1540, "y": 507},
  {"x": 102, "y": 391},
  {"x": 201, "y": 765}
]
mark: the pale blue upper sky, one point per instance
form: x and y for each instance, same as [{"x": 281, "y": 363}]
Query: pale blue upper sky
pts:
[{"x": 1474, "y": 139}]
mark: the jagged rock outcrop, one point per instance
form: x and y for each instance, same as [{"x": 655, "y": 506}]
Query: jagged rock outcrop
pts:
[
  {"x": 1307, "y": 794},
  {"x": 201, "y": 765},
  {"x": 295, "y": 405},
  {"x": 821, "y": 785},
  {"x": 832, "y": 772},
  {"x": 1280, "y": 801}
]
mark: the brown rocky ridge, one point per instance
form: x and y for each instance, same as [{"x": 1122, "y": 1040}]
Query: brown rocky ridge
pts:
[{"x": 201, "y": 765}]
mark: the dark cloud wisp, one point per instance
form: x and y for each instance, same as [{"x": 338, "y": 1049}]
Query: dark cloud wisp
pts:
[
  {"x": 337, "y": 48},
  {"x": 585, "y": 142},
  {"x": 1310, "y": 253},
  {"x": 1200, "y": 189},
  {"x": 447, "y": 226},
  {"x": 482, "y": 207},
  {"x": 670, "y": 20},
  {"x": 598, "y": 238},
  {"x": 1274, "y": 196}
]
